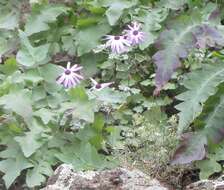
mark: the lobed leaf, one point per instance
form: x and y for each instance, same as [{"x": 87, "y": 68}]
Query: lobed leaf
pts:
[
  {"x": 36, "y": 175},
  {"x": 201, "y": 84},
  {"x": 89, "y": 38},
  {"x": 151, "y": 20},
  {"x": 18, "y": 102},
  {"x": 173, "y": 4},
  {"x": 212, "y": 117},
  {"x": 46, "y": 115},
  {"x": 29, "y": 55},
  {"x": 174, "y": 44},
  {"x": 116, "y": 8},
  {"x": 9, "y": 20},
  {"x": 12, "y": 168},
  {"x": 191, "y": 148},
  {"x": 29, "y": 143},
  {"x": 38, "y": 21},
  {"x": 82, "y": 160},
  {"x": 208, "y": 167}
]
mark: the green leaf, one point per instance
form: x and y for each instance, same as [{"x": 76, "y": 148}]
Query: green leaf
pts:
[
  {"x": 12, "y": 168},
  {"x": 173, "y": 4},
  {"x": 8, "y": 20},
  {"x": 201, "y": 84},
  {"x": 216, "y": 153},
  {"x": 57, "y": 140},
  {"x": 84, "y": 22},
  {"x": 151, "y": 24},
  {"x": 32, "y": 76},
  {"x": 15, "y": 127},
  {"x": 212, "y": 116},
  {"x": 29, "y": 55},
  {"x": 89, "y": 38},
  {"x": 12, "y": 150},
  {"x": 215, "y": 119},
  {"x": 46, "y": 115},
  {"x": 111, "y": 96},
  {"x": 9, "y": 67},
  {"x": 36, "y": 176},
  {"x": 38, "y": 93},
  {"x": 84, "y": 110},
  {"x": 78, "y": 94},
  {"x": 29, "y": 143},
  {"x": 18, "y": 102},
  {"x": 86, "y": 134},
  {"x": 55, "y": 100},
  {"x": 116, "y": 9},
  {"x": 98, "y": 122},
  {"x": 4, "y": 46},
  {"x": 38, "y": 21},
  {"x": 208, "y": 167},
  {"x": 89, "y": 62},
  {"x": 88, "y": 159},
  {"x": 68, "y": 156},
  {"x": 8, "y": 42},
  {"x": 83, "y": 107},
  {"x": 90, "y": 155},
  {"x": 50, "y": 72},
  {"x": 69, "y": 44}
]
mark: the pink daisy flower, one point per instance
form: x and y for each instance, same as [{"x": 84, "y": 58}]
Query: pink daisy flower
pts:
[
  {"x": 118, "y": 44},
  {"x": 99, "y": 86},
  {"x": 71, "y": 76},
  {"x": 134, "y": 34}
]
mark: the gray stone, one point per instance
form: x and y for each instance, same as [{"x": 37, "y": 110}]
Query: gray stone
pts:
[
  {"x": 217, "y": 184},
  {"x": 65, "y": 178}
]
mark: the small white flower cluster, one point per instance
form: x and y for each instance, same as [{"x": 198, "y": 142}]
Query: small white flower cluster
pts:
[
  {"x": 71, "y": 77},
  {"x": 131, "y": 37}
]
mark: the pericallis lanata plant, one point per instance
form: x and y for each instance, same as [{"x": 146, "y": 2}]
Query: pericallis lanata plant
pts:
[{"x": 75, "y": 76}]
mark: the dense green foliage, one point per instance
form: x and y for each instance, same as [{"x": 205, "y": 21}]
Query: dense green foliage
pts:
[{"x": 178, "y": 65}]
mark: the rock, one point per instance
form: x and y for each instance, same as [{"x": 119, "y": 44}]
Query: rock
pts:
[
  {"x": 65, "y": 178},
  {"x": 217, "y": 184}
]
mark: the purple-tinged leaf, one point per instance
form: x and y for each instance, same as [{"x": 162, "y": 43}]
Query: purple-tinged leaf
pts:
[
  {"x": 191, "y": 148},
  {"x": 174, "y": 45},
  {"x": 172, "y": 49},
  {"x": 164, "y": 71},
  {"x": 215, "y": 15},
  {"x": 208, "y": 36}
]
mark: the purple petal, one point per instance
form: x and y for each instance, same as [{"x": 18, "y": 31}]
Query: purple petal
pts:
[
  {"x": 61, "y": 79},
  {"x": 66, "y": 82},
  {"x": 104, "y": 85},
  {"x": 76, "y": 68},
  {"x": 68, "y": 65},
  {"x": 77, "y": 81},
  {"x": 78, "y": 76},
  {"x": 93, "y": 81}
]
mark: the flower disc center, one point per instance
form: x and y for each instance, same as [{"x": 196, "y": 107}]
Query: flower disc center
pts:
[
  {"x": 98, "y": 86},
  {"x": 67, "y": 72},
  {"x": 125, "y": 37},
  {"x": 135, "y": 32},
  {"x": 117, "y": 37}
]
